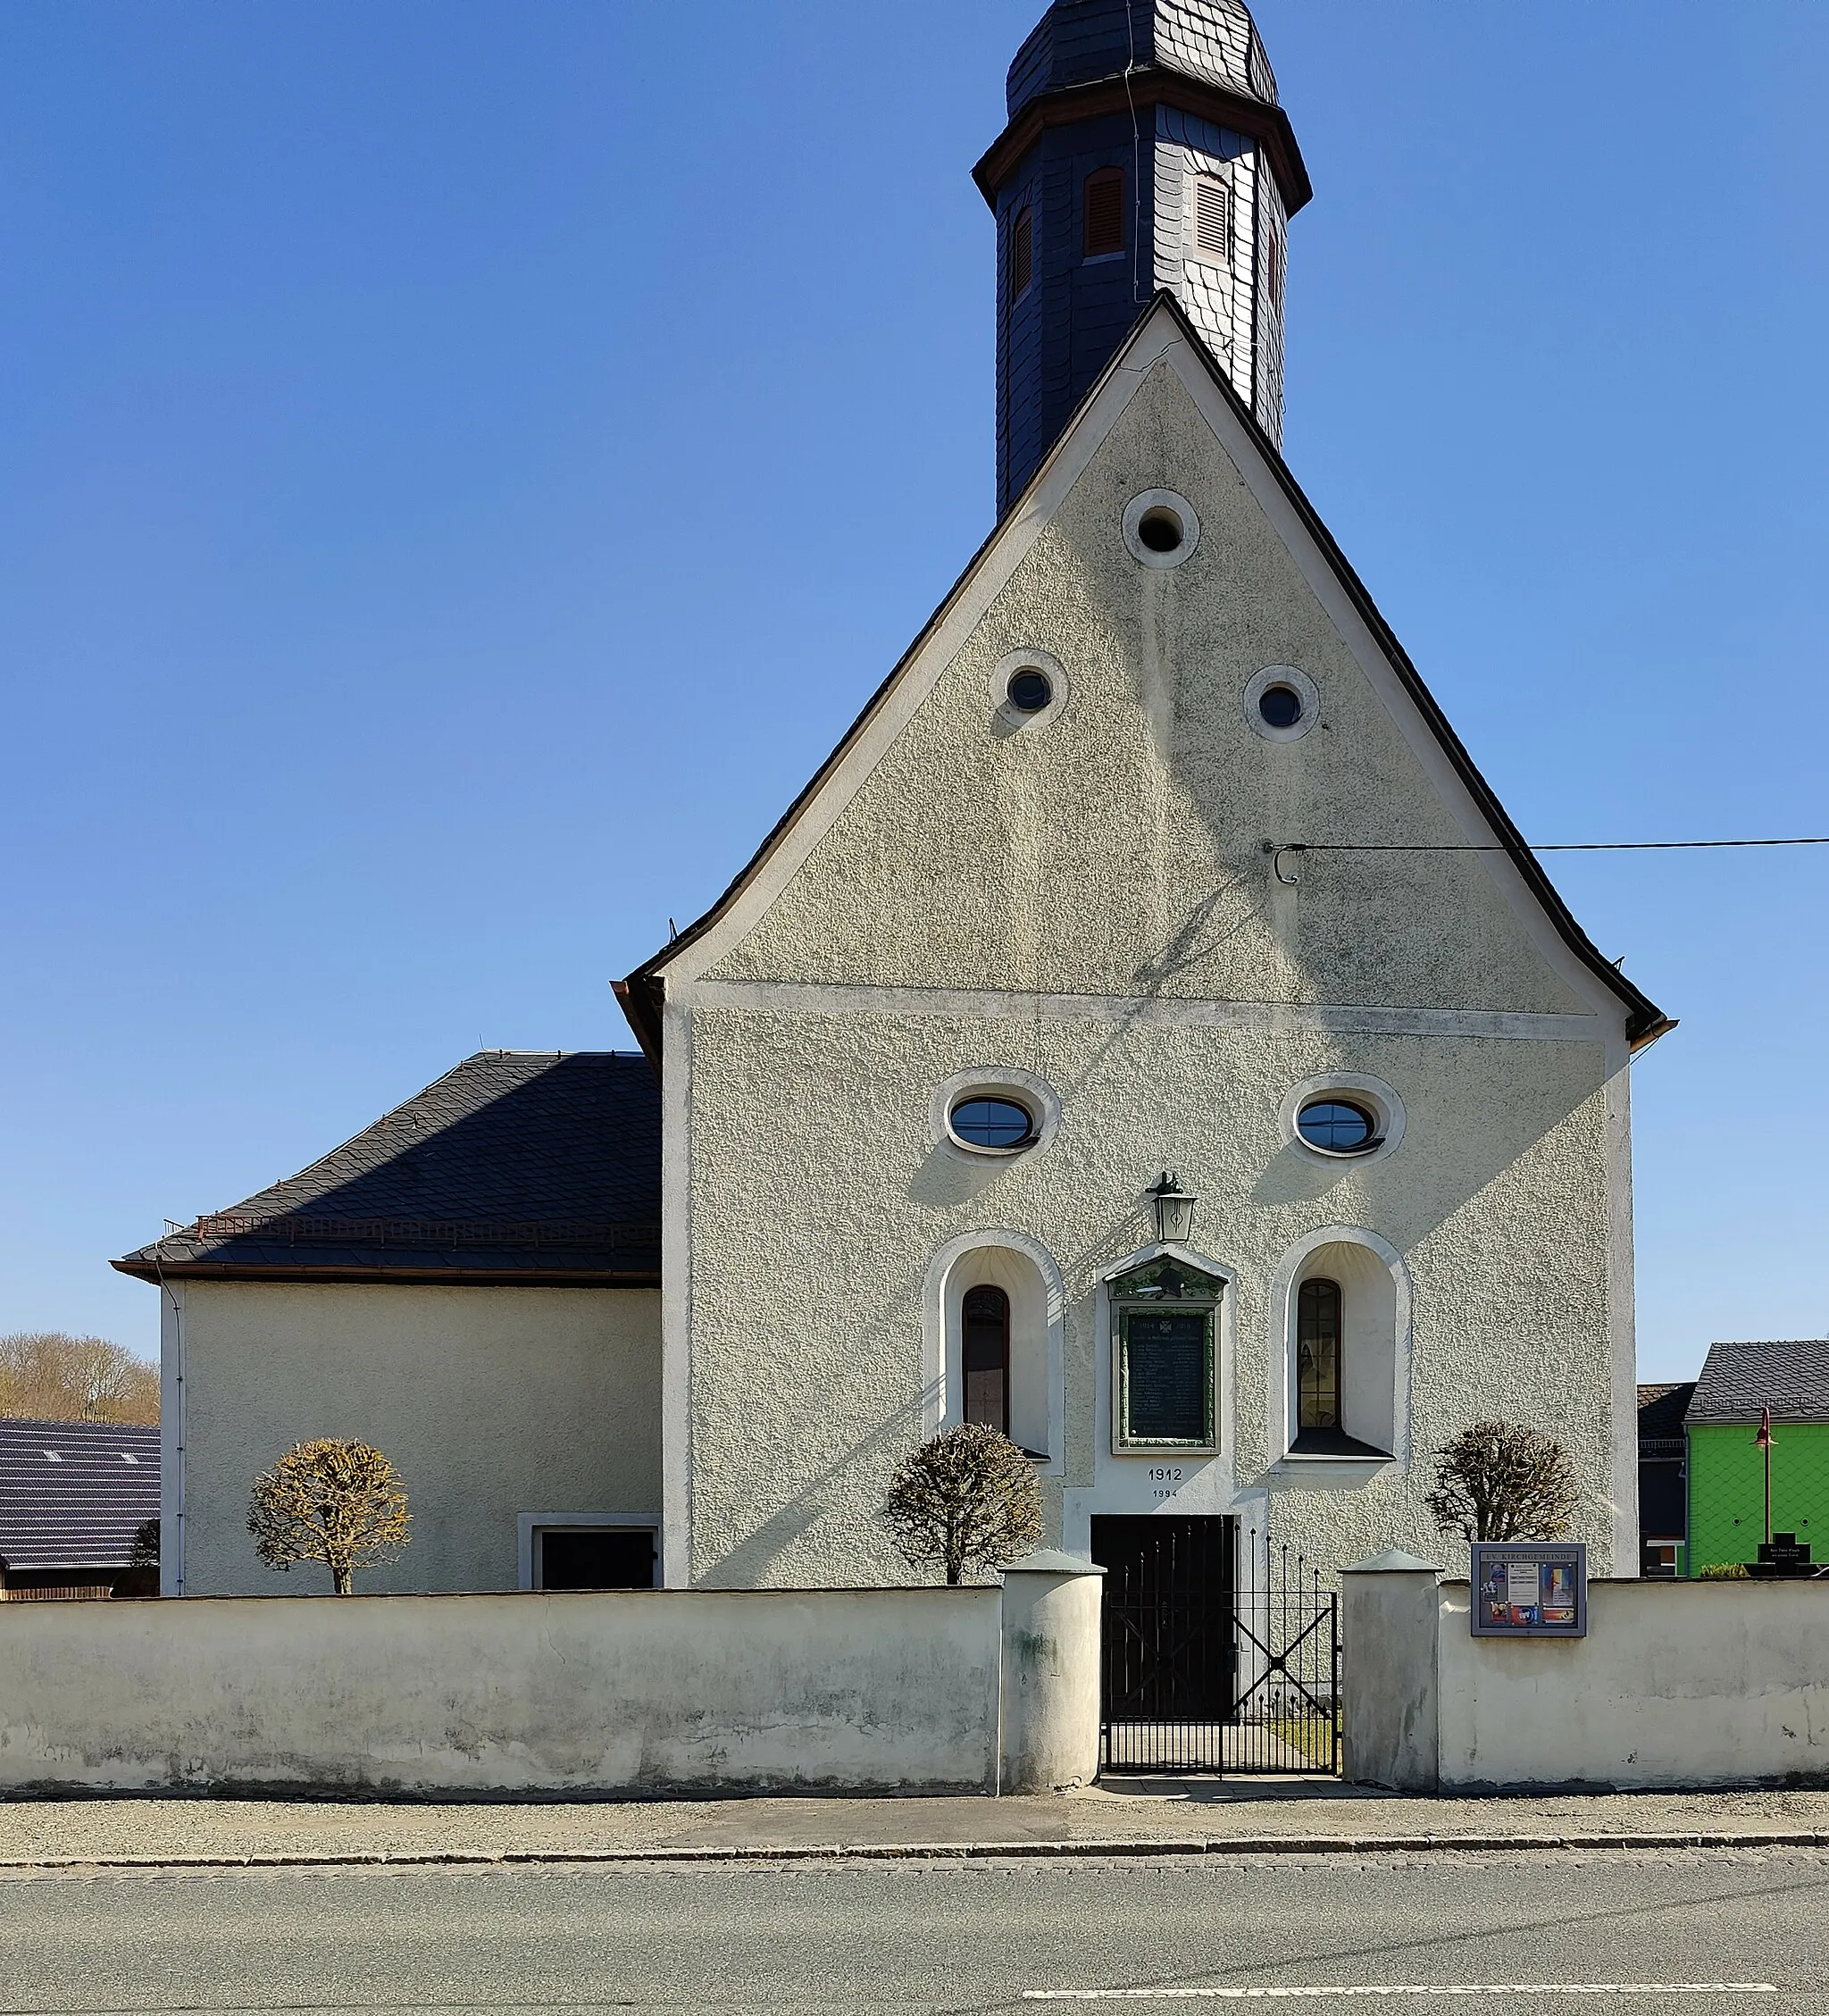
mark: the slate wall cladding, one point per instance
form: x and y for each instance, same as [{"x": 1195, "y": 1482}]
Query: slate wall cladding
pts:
[{"x": 1054, "y": 342}]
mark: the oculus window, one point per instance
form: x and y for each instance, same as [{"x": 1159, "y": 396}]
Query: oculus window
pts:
[
  {"x": 1162, "y": 1334},
  {"x": 1337, "y": 1127},
  {"x": 992, "y": 1126}
]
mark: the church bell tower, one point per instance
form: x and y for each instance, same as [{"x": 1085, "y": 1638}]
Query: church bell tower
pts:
[{"x": 1145, "y": 150}]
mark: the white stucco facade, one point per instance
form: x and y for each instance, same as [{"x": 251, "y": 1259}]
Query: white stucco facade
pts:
[
  {"x": 1085, "y": 903},
  {"x": 492, "y": 1403}
]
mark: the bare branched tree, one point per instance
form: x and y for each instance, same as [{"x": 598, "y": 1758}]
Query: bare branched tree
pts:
[
  {"x": 967, "y": 1499},
  {"x": 338, "y": 1503},
  {"x": 49, "y": 1375},
  {"x": 1498, "y": 1481}
]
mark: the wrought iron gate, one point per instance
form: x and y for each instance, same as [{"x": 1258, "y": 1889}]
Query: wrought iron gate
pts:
[{"x": 1203, "y": 1674}]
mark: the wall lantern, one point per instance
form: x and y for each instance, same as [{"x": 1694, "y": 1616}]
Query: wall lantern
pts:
[{"x": 1174, "y": 1210}]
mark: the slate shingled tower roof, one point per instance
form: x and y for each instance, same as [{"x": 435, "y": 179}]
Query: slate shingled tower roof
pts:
[
  {"x": 516, "y": 1166},
  {"x": 1080, "y": 41},
  {"x": 73, "y": 1494}
]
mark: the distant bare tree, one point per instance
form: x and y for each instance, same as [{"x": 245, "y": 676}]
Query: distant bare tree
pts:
[
  {"x": 338, "y": 1503},
  {"x": 1498, "y": 1481},
  {"x": 967, "y": 1499},
  {"x": 49, "y": 1375}
]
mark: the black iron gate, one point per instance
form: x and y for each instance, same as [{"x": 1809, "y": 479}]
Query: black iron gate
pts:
[{"x": 1205, "y": 1672}]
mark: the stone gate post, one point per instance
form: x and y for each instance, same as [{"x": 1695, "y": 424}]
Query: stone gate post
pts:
[{"x": 1049, "y": 1733}]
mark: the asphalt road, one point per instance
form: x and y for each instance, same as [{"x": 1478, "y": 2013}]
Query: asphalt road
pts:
[{"x": 934, "y": 1936}]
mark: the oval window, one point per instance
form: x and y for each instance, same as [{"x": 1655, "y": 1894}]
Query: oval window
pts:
[
  {"x": 996, "y": 1123},
  {"x": 1336, "y": 1127}
]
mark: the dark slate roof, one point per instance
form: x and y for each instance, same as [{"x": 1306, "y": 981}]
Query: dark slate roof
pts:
[
  {"x": 1080, "y": 41},
  {"x": 1661, "y": 1411},
  {"x": 516, "y": 1166},
  {"x": 1789, "y": 1376},
  {"x": 72, "y": 1493}
]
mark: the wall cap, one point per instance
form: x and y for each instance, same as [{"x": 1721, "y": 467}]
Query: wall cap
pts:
[
  {"x": 1050, "y": 1560},
  {"x": 1393, "y": 1560}
]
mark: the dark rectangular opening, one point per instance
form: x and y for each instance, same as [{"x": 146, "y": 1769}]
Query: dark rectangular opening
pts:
[
  {"x": 1168, "y": 1597},
  {"x": 602, "y": 1557}
]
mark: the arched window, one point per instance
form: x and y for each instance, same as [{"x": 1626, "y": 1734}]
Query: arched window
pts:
[
  {"x": 1022, "y": 253},
  {"x": 1317, "y": 1355},
  {"x": 985, "y": 1357},
  {"x": 1102, "y": 213}
]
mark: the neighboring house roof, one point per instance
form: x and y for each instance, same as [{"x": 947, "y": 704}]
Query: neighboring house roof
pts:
[
  {"x": 1661, "y": 1411},
  {"x": 516, "y": 1166},
  {"x": 72, "y": 1493},
  {"x": 1788, "y": 1375},
  {"x": 640, "y": 994}
]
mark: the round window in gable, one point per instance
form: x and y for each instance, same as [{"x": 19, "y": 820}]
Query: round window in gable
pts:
[
  {"x": 1160, "y": 528},
  {"x": 1338, "y": 1127},
  {"x": 1281, "y": 706},
  {"x": 1160, "y": 531},
  {"x": 992, "y": 1126},
  {"x": 1029, "y": 690},
  {"x": 1282, "y": 703}
]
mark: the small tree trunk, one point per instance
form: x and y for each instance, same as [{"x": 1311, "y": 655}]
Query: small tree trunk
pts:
[{"x": 343, "y": 1577}]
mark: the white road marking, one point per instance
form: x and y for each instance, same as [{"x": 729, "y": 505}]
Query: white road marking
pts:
[{"x": 1315, "y": 1993}]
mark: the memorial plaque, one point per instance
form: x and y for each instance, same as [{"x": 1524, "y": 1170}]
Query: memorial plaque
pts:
[
  {"x": 1165, "y": 1359},
  {"x": 1530, "y": 1589}
]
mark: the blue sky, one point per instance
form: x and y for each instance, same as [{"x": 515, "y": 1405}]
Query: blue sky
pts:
[{"x": 461, "y": 467}]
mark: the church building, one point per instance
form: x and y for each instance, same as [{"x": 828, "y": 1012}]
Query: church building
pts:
[{"x": 1147, "y": 1034}]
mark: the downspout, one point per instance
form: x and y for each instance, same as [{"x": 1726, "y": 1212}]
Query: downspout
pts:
[{"x": 172, "y": 1444}]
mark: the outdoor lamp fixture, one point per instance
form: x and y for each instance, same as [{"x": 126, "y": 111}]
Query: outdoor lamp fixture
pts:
[{"x": 1174, "y": 1210}]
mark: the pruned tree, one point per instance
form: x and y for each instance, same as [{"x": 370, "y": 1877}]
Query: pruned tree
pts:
[
  {"x": 50, "y": 1375},
  {"x": 967, "y": 1499},
  {"x": 1499, "y": 1481},
  {"x": 143, "y": 1551},
  {"x": 338, "y": 1503}
]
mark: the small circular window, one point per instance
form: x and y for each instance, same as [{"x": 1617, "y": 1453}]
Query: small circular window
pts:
[
  {"x": 1280, "y": 707},
  {"x": 1029, "y": 690},
  {"x": 999, "y": 1126},
  {"x": 1337, "y": 1128},
  {"x": 1282, "y": 703},
  {"x": 1160, "y": 530}
]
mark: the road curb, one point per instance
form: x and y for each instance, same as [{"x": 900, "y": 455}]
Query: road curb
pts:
[{"x": 939, "y": 1851}]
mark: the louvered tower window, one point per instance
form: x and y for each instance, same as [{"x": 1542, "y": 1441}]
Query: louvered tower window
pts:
[
  {"x": 1213, "y": 218},
  {"x": 1102, "y": 213},
  {"x": 1022, "y": 253}
]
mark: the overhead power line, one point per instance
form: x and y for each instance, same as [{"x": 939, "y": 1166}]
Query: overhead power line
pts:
[{"x": 1540, "y": 847}]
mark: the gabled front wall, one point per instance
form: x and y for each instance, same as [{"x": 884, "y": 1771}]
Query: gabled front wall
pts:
[{"x": 1088, "y": 901}]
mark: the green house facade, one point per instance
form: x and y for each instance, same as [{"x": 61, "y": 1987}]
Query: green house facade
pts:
[{"x": 1726, "y": 1466}]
